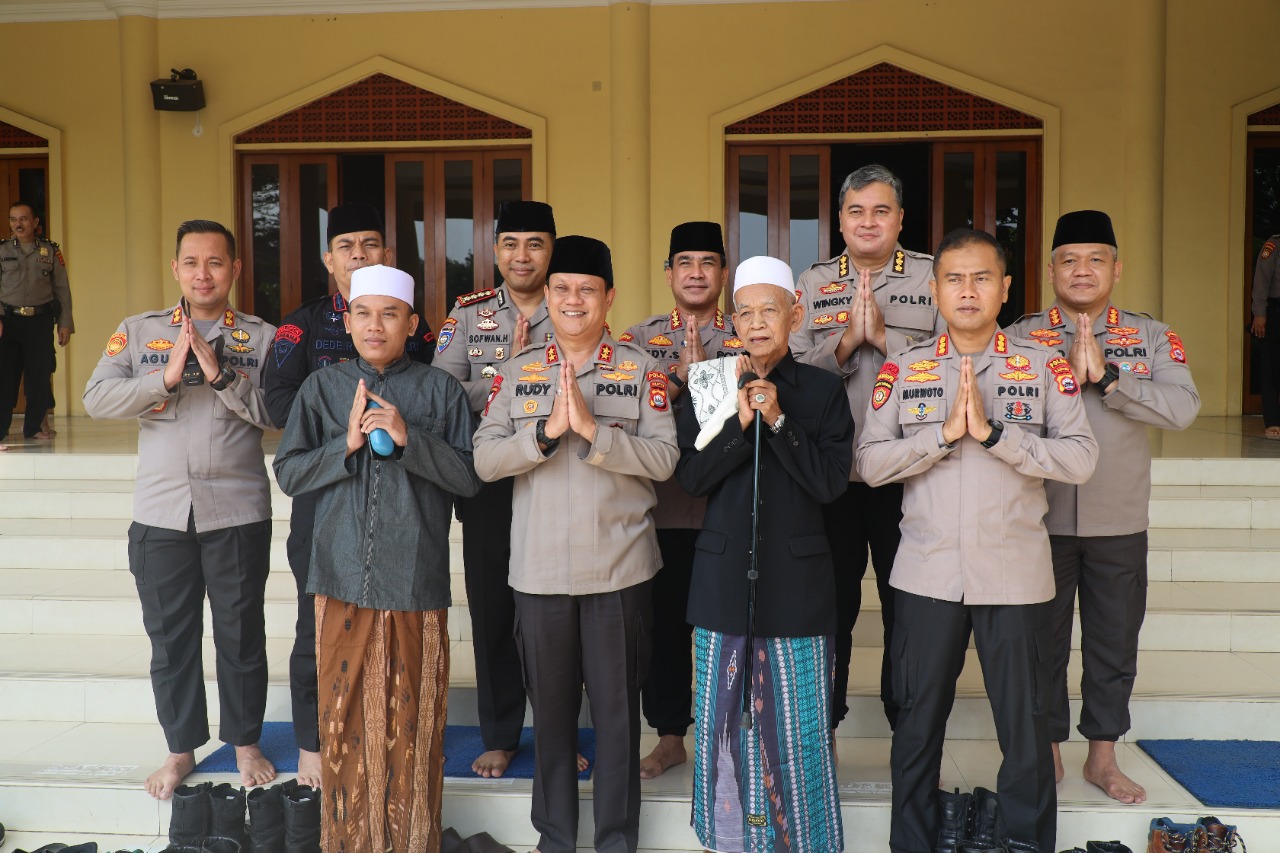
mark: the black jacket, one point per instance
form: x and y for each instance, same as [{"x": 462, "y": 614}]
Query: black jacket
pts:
[{"x": 805, "y": 465}]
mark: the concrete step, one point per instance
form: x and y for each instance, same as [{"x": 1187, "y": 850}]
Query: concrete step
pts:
[{"x": 46, "y": 785}]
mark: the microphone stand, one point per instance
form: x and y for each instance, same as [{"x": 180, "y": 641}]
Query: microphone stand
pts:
[{"x": 753, "y": 573}]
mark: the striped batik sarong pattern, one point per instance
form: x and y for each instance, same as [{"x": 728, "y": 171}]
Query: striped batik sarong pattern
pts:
[{"x": 771, "y": 788}]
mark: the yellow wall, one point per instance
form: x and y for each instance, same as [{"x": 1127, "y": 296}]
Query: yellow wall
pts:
[{"x": 1142, "y": 92}]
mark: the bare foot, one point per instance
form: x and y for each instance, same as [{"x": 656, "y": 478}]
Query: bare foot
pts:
[
  {"x": 1058, "y": 770},
  {"x": 493, "y": 763},
  {"x": 170, "y": 775},
  {"x": 253, "y": 766},
  {"x": 1102, "y": 770},
  {"x": 1273, "y": 432},
  {"x": 3, "y": 448},
  {"x": 309, "y": 768},
  {"x": 668, "y": 753},
  {"x": 45, "y": 435},
  {"x": 583, "y": 764}
]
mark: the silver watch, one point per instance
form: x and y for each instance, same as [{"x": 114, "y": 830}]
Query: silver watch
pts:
[{"x": 776, "y": 426}]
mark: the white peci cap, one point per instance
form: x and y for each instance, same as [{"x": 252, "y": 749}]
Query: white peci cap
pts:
[
  {"x": 379, "y": 280},
  {"x": 763, "y": 269}
]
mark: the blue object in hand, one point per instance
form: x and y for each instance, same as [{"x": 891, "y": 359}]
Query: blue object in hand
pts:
[{"x": 380, "y": 440}]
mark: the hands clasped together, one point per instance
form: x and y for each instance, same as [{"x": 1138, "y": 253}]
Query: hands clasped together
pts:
[
  {"x": 570, "y": 410},
  {"x": 866, "y": 320},
  {"x": 364, "y": 420},
  {"x": 967, "y": 415},
  {"x": 1086, "y": 357},
  {"x": 188, "y": 341},
  {"x": 758, "y": 394}
]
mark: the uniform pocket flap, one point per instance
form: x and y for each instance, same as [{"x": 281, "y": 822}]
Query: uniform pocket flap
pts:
[
  {"x": 917, "y": 317},
  {"x": 810, "y": 546},
  {"x": 627, "y": 408},
  {"x": 711, "y": 541}
]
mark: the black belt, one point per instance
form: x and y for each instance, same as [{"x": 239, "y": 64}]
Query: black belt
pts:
[{"x": 26, "y": 310}]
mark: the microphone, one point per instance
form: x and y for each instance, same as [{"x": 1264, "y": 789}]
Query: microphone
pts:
[{"x": 746, "y": 377}]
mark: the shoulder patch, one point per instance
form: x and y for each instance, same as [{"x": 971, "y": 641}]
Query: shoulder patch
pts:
[
  {"x": 658, "y": 394},
  {"x": 116, "y": 343},
  {"x": 446, "y": 334},
  {"x": 289, "y": 332},
  {"x": 476, "y": 296},
  {"x": 1062, "y": 375},
  {"x": 1267, "y": 248},
  {"x": 493, "y": 392},
  {"x": 1177, "y": 351},
  {"x": 883, "y": 389}
]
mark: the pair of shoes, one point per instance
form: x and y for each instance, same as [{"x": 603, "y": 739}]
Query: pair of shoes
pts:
[
  {"x": 967, "y": 819},
  {"x": 284, "y": 818},
  {"x": 203, "y": 814},
  {"x": 1100, "y": 847},
  {"x": 1206, "y": 835}
]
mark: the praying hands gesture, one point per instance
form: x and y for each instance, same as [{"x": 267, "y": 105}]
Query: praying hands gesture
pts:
[
  {"x": 692, "y": 352},
  {"x": 967, "y": 414},
  {"x": 866, "y": 321},
  {"x": 570, "y": 410},
  {"x": 1085, "y": 356},
  {"x": 521, "y": 338},
  {"x": 188, "y": 341},
  {"x": 364, "y": 420}
]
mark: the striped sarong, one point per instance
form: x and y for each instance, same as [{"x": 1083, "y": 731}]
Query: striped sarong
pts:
[
  {"x": 384, "y": 680},
  {"x": 773, "y": 787}
]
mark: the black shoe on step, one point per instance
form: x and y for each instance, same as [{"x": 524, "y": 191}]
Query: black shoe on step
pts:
[
  {"x": 227, "y": 808},
  {"x": 266, "y": 820},
  {"x": 302, "y": 820},
  {"x": 955, "y": 812},
  {"x": 1105, "y": 847},
  {"x": 191, "y": 816},
  {"x": 986, "y": 817}
]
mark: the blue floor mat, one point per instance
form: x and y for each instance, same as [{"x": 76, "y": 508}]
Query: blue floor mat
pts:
[
  {"x": 461, "y": 746},
  {"x": 1237, "y": 774}
]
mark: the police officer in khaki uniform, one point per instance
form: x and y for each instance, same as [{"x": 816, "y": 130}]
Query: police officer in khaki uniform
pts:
[
  {"x": 190, "y": 374},
  {"x": 484, "y": 330},
  {"x": 584, "y": 426},
  {"x": 870, "y": 300},
  {"x": 34, "y": 296},
  {"x": 1266, "y": 315},
  {"x": 695, "y": 330},
  {"x": 1134, "y": 374},
  {"x": 973, "y": 422}
]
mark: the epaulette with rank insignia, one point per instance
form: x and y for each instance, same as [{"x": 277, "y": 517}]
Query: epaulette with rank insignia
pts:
[{"x": 476, "y": 296}]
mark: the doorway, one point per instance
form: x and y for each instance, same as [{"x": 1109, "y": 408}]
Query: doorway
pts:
[
  {"x": 1262, "y": 221},
  {"x": 781, "y": 200},
  {"x": 438, "y": 208}
]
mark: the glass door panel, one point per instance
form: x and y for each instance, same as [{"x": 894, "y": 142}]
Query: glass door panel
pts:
[
  {"x": 804, "y": 211},
  {"x": 752, "y": 212},
  {"x": 459, "y": 228},
  {"x": 313, "y": 217},
  {"x": 407, "y": 223},
  {"x": 1008, "y": 221},
  {"x": 1262, "y": 220},
  {"x": 267, "y": 257}
]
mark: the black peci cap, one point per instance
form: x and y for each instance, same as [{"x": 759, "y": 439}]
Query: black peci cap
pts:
[
  {"x": 582, "y": 256},
  {"x": 350, "y": 218},
  {"x": 696, "y": 237},
  {"x": 1084, "y": 226},
  {"x": 515, "y": 216}
]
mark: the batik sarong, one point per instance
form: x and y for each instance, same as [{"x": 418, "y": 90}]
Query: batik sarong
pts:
[
  {"x": 771, "y": 788},
  {"x": 383, "y": 683}
]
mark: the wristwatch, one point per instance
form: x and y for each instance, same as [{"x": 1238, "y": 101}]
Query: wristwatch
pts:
[
  {"x": 676, "y": 380},
  {"x": 997, "y": 430},
  {"x": 776, "y": 426},
  {"x": 225, "y": 378},
  {"x": 1111, "y": 374},
  {"x": 540, "y": 436}
]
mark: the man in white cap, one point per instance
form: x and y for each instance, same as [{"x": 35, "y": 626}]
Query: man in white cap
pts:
[
  {"x": 385, "y": 442},
  {"x": 771, "y": 786}
]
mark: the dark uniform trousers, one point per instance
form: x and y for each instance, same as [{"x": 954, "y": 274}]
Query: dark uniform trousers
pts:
[
  {"x": 860, "y": 518},
  {"x": 667, "y": 696},
  {"x": 601, "y": 641},
  {"x": 26, "y": 355},
  {"x": 302, "y": 659},
  {"x": 486, "y": 560},
  {"x": 1109, "y": 573},
  {"x": 173, "y": 570},
  {"x": 929, "y": 643},
  {"x": 1270, "y": 380}
]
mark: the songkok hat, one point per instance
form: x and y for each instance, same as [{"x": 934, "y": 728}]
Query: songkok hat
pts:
[
  {"x": 524, "y": 216},
  {"x": 582, "y": 256},
  {"x": 378, "y": 280},
  {"x": 763, "y": 269},
  {"x": 350, "y": 218},
  {"x": 696, "y": 237},
  {"x": 1084, "y": 226}
]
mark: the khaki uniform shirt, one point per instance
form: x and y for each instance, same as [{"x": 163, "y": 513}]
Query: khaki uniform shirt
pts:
[
  {"x": 35, "y": 275},
  {"x": 972, "y": 517},
  {"x": 1155, "y": 389},
  {"x": 581, "y": 512},
  {"x": 1266, "y": 277},
  {"x": 199, "y": 450},
  {"x": 478, "y": 337},
  {"x": 901, "y": 290},
  {"x": 662, "y": 337}
]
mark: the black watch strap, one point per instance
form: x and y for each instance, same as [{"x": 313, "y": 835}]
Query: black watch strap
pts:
[
  {"x": 997, "y": 430},
  {"x": 1111, "y": 374},
  {"x": 540, "y": 435},
  {"x": 225, "y": 378}
]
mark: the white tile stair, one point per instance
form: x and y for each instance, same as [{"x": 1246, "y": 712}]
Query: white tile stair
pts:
[{"x": 77, "y": 730}]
